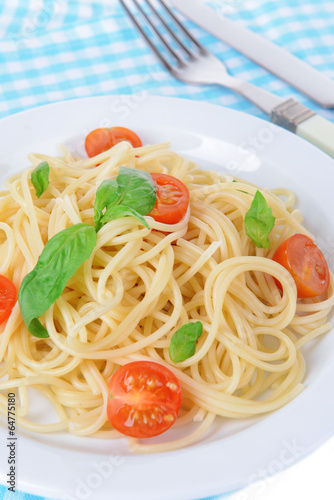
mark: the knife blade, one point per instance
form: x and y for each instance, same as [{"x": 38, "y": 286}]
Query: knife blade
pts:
[{"x": 275, "y": 59}]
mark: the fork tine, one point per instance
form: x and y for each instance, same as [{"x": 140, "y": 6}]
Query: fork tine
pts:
[
  {"x": 182, "y": 28},
  {"x": 181, "y": 44},
  {"x": 162, "y": 59},
  {"x": 157, "y": 32}
]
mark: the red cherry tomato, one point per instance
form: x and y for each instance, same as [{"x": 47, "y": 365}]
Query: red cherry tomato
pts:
[
  {"x": 172, "y": 199},
  {"x": 102, "y": 139},
  {"x": 8, "y": 298},
  {"x": 144, "y": 399},
  {"x": 306, "y": 263}
]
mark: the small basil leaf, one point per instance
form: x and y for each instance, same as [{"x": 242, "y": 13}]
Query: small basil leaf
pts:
[
  {"x": 40, "y": 178},
  {"x": 115, "y": 212},
  {"x": 240, "y": 190},
  {"x": 259, "y": 221},
  {"x": 61, "y": 258},
  {"x": 137, "y": 189},
  {"x": 183, "y": 343},
  {"x": 106, "y": 195}
]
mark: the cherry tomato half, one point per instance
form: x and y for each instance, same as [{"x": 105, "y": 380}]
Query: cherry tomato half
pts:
[
  {"x": 172, "y": 199},
  {"x": 306, "y": 263},
  {"x": 144, "y": 399},
  {"x": 102, "y": 139},
  {"x": 8, "y": 298}
]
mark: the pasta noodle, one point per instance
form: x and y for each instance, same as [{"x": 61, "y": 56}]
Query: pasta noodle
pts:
[{"x": 139, "y": 286}]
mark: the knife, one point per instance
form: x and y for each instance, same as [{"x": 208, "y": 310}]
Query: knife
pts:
[{"x": 263, "y": 52}]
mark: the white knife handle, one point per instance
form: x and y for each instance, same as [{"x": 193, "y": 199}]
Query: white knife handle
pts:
[{"x": 319, "y": 132}]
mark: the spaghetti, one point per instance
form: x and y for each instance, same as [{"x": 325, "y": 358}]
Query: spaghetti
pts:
[{"x": 140, "y": 285}]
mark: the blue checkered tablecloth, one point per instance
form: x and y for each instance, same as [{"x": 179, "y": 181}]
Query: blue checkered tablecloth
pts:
[{"x": 51, "y": 50}]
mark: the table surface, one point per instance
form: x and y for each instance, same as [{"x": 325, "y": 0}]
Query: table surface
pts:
[{"x": 51, "y": 51}]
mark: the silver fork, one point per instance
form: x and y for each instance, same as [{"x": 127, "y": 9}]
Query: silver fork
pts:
[{"x": 197, "y": 65}]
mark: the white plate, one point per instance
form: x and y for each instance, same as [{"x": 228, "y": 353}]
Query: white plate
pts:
[{"x": 233, "y": 453}]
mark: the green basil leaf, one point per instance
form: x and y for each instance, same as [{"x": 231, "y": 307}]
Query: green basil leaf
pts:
[
  {"x": 115, "y": 212},
  {"x": 61, "y": 258},
  {"x": 132, "y": 194},
  {"x": 106, "y": 195},
  {"x": 137, "y": 190},
  {"x": 40, "y": 178},
  {"x": 259, "y": 221},
  {"x": 240, "y": 190},
  {"x": 183, "y": 343},
  {"x": 37, "y": 329}
]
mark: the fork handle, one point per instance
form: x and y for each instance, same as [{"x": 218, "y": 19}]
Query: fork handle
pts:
[
  {"x": 320, "y": 132},
  {"x": 306, "y": 123},
  {"x": 288, "y": 113},
  {"x": 260, "y": 97}
]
